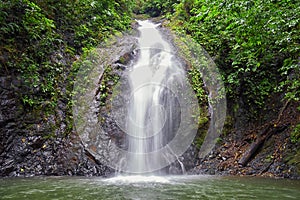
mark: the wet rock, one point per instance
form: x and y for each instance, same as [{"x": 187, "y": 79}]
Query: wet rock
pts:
[{"x": 174, "y": 170}]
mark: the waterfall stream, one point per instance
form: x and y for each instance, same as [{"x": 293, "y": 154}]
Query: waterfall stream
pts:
[
  {"x": 154, "y": 109},
  {"x": 152, "y": 114}
]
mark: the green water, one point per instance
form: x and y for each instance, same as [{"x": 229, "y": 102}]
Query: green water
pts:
[{"x": 135, "y": 187}]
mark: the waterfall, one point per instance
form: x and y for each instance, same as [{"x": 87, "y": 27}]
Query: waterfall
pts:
[
  {"x": 152, "y": 114},
  {"x": 152, "y": 111}
]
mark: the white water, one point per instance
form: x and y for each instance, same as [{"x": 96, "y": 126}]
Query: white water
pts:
[
  {"x": 151, "y": 110},
  {"x": 137, "y": 179}
]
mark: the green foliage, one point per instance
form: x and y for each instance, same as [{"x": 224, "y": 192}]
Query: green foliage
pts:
[
  {"x": 156, "y": 8},
  {"x": 197, "y": 84},
  {"x": 36, "y": 23},
  {"x": 109, "y": 79},
  {"x": 295, "y": 134},
  {"x": 202, "y": 129},
  {"x": 254, "y": 43},
  {"x": 39, "y": 41}
]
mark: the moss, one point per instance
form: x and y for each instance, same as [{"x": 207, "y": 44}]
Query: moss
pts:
[
  {"x": 123, "y": 60},
  {"x": 295, "y": 134},
  {"x": 141, "y": 16},
  {"x": 228, "y": 125},
  {"x": 294, "y": 160},
  {"x": 202, "y": 130},
  {"x": 105, "y": 89}
]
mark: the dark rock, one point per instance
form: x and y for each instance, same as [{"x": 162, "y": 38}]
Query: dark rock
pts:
[{"x": 211, "y": 172}]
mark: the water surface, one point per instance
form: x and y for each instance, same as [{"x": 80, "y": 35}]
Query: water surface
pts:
[{"x": 151, "y": 187}]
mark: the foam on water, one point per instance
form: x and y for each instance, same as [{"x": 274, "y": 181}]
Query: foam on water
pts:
[{"x": 136, "y": 179}]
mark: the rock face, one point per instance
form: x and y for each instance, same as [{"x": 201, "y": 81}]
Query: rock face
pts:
[
  {"x": 26, "y": 147},
  {"x": 34, "y": 143}
]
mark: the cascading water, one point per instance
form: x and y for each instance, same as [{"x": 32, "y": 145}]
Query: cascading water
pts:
[{"x": 153, "y": 113}]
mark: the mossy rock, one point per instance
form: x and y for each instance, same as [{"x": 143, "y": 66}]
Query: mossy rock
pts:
[{"x": 294, "y": 160}]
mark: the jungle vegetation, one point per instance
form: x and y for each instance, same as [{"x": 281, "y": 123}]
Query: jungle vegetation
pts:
[{"x": 255, "y": 44}]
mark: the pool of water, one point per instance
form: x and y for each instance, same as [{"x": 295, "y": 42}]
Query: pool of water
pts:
[{"x": 149, "y": 187}]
